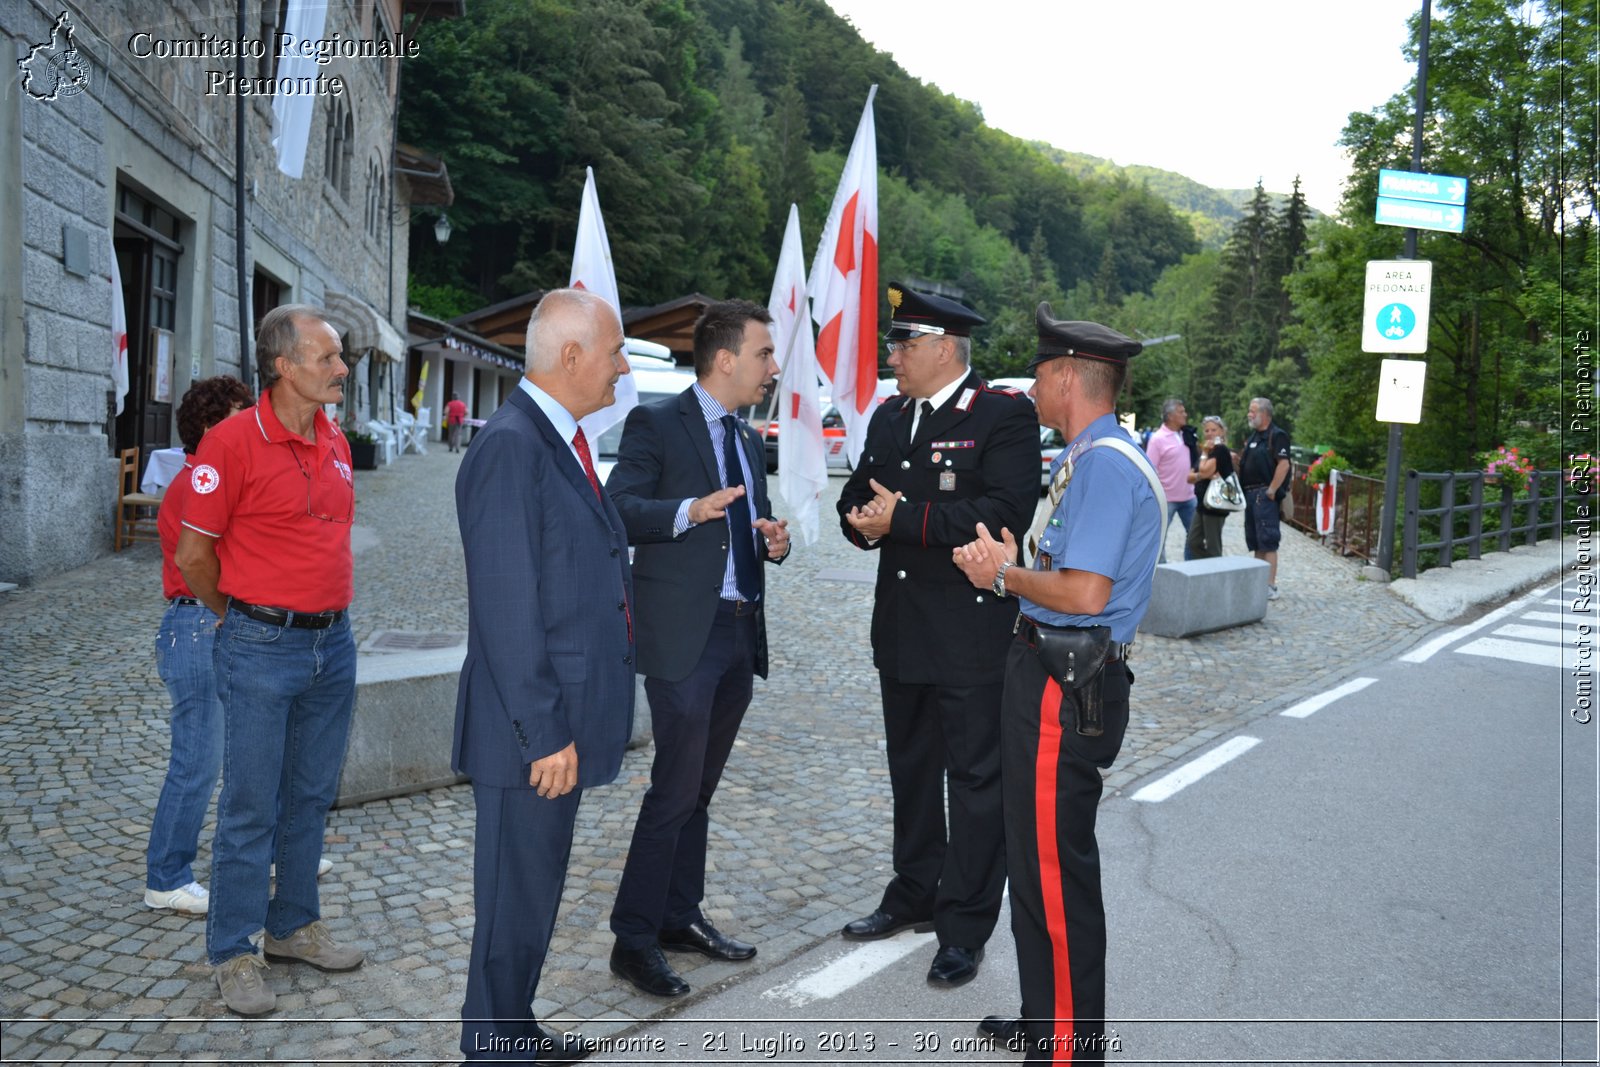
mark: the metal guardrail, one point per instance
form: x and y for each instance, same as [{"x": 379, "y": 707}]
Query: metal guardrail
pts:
[
  {"x": 1510, "y": 519},
  {"x": 1358, "y": 504}
]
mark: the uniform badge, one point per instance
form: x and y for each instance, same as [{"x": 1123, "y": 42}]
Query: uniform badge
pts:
[
  {"x": 947, "y": 481},
  {"x": 1043, "y": 559},
  {"x": 205, "y": 479},
  {"x": 936, "y": 457},
  {"x": 895, "y": 296}
]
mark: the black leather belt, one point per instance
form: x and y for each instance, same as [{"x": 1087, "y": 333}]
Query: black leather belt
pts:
[
  {"x": 184, "y": 601},
  {"x": 740, "y": 607},
  {"x": 301, "y": 620},
  {"x": 1029, "y": 630}
]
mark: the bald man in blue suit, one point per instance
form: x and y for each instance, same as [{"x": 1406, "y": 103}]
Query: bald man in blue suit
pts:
[{"x": 545, "y": 704}]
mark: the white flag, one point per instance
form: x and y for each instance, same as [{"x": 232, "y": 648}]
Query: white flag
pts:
[
  {"x": 844, "y": 287},
  {"x": 303, "y": 21},
  {"x": 802, "y": 466},
  {"x": 119, "y": 333},
  {"x": 592, "y": 270}
]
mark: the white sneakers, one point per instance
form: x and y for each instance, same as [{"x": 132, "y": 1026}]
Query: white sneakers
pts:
[
  {"x": 191, "y": 899},
  {"x": 1272, "y": 592},
  {"x": 324, "y": 865}
]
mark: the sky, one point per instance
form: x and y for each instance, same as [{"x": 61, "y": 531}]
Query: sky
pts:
[{"x": 1222, "y": 91}]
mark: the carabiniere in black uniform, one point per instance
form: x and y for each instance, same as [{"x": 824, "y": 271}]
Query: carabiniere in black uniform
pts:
[{"x": 938, "y": 644}]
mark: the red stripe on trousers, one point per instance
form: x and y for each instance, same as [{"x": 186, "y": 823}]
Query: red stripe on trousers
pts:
[{"x": 1055, "y": 908}]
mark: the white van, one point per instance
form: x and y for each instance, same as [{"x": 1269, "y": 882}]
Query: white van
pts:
[{"x": 657, "y": 376}]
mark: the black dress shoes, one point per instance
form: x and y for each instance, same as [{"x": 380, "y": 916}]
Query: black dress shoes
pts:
[
  {"x": 707, "y": 940},
  {"x": 1004, "y": 1029},
  {"x": 881, "y": 924},
  {"x": 557, "y": 1050},
  {"x": 954, "y": 965},
  {"x": 648, "y": 970}
]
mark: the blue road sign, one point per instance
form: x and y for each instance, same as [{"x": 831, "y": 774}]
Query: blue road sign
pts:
[
  {"x": 1422, "y": 216},
  {"x": 1396, "y": 321},
  {"x": 1428, "y": 188}
]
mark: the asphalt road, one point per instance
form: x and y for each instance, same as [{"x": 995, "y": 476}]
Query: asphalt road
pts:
[{"x": 1401, "y": 870}]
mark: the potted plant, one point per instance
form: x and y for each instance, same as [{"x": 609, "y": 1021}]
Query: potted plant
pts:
[
  {"x": 1323, "y": 466},
  {"x": 1505, "y": 466},
  {"x": 363, "y": 450}
]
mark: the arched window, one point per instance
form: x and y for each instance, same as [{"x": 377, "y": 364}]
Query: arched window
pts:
[
  {"x": 340, "y": 145},
  {"x": 376, "y": 193}
]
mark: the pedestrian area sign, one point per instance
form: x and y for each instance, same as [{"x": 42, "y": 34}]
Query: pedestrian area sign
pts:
[{"x": 1395, "y": 313}]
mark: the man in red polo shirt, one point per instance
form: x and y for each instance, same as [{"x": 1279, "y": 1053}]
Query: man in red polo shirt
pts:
[{"x": 266, "y": 545}]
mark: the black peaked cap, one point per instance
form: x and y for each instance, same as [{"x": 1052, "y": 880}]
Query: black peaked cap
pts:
[
  {"x": 1086, "y": 340},
  {"x": 913, "y": 314}
]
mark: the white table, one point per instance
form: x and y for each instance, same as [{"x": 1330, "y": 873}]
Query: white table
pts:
[{"x": 164, "y": 465}]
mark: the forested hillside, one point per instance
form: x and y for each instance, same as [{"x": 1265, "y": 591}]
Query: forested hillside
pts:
[{"x": 703, "y": 120}]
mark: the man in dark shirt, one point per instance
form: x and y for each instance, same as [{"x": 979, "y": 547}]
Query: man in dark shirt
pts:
[{"x": 1264, "y": 476}]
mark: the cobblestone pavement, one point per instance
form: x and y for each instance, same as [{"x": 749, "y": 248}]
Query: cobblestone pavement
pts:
[{"x": 800, "y": 825}]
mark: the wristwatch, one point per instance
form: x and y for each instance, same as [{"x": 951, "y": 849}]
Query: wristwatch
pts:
[{"x": 999, "y": 585}]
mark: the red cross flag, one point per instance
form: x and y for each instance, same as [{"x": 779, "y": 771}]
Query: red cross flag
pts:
[
  {"x": 119, "y": 333},
  {"x": 1326, "y": 493},
  {"x": 802, "y": 467},
  {"x": 844, "y": 287}
]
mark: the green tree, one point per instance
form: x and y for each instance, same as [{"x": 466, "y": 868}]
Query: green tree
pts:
[{"x": 1501, "y": 109}]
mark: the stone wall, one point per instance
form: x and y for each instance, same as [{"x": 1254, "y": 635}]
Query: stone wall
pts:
[{"x": 149, "y": 123}]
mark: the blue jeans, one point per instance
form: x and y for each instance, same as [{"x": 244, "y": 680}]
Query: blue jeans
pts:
[
  {"x": 287, "y": 695},
  {"x": 183, "y": 658},
  {"x": 1185, "y": 513}
]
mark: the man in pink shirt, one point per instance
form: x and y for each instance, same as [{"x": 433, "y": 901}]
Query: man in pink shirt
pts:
[{"x": 1169, "y": 454}]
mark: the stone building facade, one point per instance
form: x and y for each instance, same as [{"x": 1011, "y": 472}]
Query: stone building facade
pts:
[{"x": 117, "y": 149}]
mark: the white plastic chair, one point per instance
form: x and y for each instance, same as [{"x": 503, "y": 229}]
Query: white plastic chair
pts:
[
  {"x": 405, "y": 425},
  {"x": 388, "y": 440},
  {"x": 419, "y": 432}
]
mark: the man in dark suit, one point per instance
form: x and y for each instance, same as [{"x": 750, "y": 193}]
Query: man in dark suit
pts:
[
  {"x": 947, "y": 453},
  {"x": 545, "y": 705},
  {"x": 691, "y": 485}
]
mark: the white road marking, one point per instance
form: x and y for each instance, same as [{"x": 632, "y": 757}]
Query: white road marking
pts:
[
  {"x": 1195, "y": 769},
  {"x": 1426, "y": 651},
  {"x": 1317, "y": 703},
  {"x": 1532, "y": 633},
  {"x": 1559, "y": 616},
  {"x": 847, "y": 971},
  {"x": 1522, "y": 652}
]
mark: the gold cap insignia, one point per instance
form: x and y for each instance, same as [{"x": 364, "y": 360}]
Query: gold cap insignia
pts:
[{"x": 895, "y": 297}]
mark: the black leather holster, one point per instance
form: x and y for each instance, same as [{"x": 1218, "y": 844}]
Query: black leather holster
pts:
[{"x": 1074, "y": 656}]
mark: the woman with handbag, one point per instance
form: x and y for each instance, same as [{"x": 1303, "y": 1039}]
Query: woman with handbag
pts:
[{"x": 1216, "y": 490}]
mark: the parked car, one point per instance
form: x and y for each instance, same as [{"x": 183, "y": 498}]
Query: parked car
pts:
[{"x": 832, "y": 431}]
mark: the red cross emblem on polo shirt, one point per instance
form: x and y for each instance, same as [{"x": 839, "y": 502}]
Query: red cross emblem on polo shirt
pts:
[{"x": 204, "y": 479}]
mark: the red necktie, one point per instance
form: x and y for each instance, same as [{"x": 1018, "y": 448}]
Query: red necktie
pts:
[{"x": 581, "y": 443}]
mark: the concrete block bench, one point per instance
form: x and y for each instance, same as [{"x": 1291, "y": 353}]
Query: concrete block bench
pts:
[
  {"x": 404, "y": 723},
  {"x": 1202, "y": 595}
]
